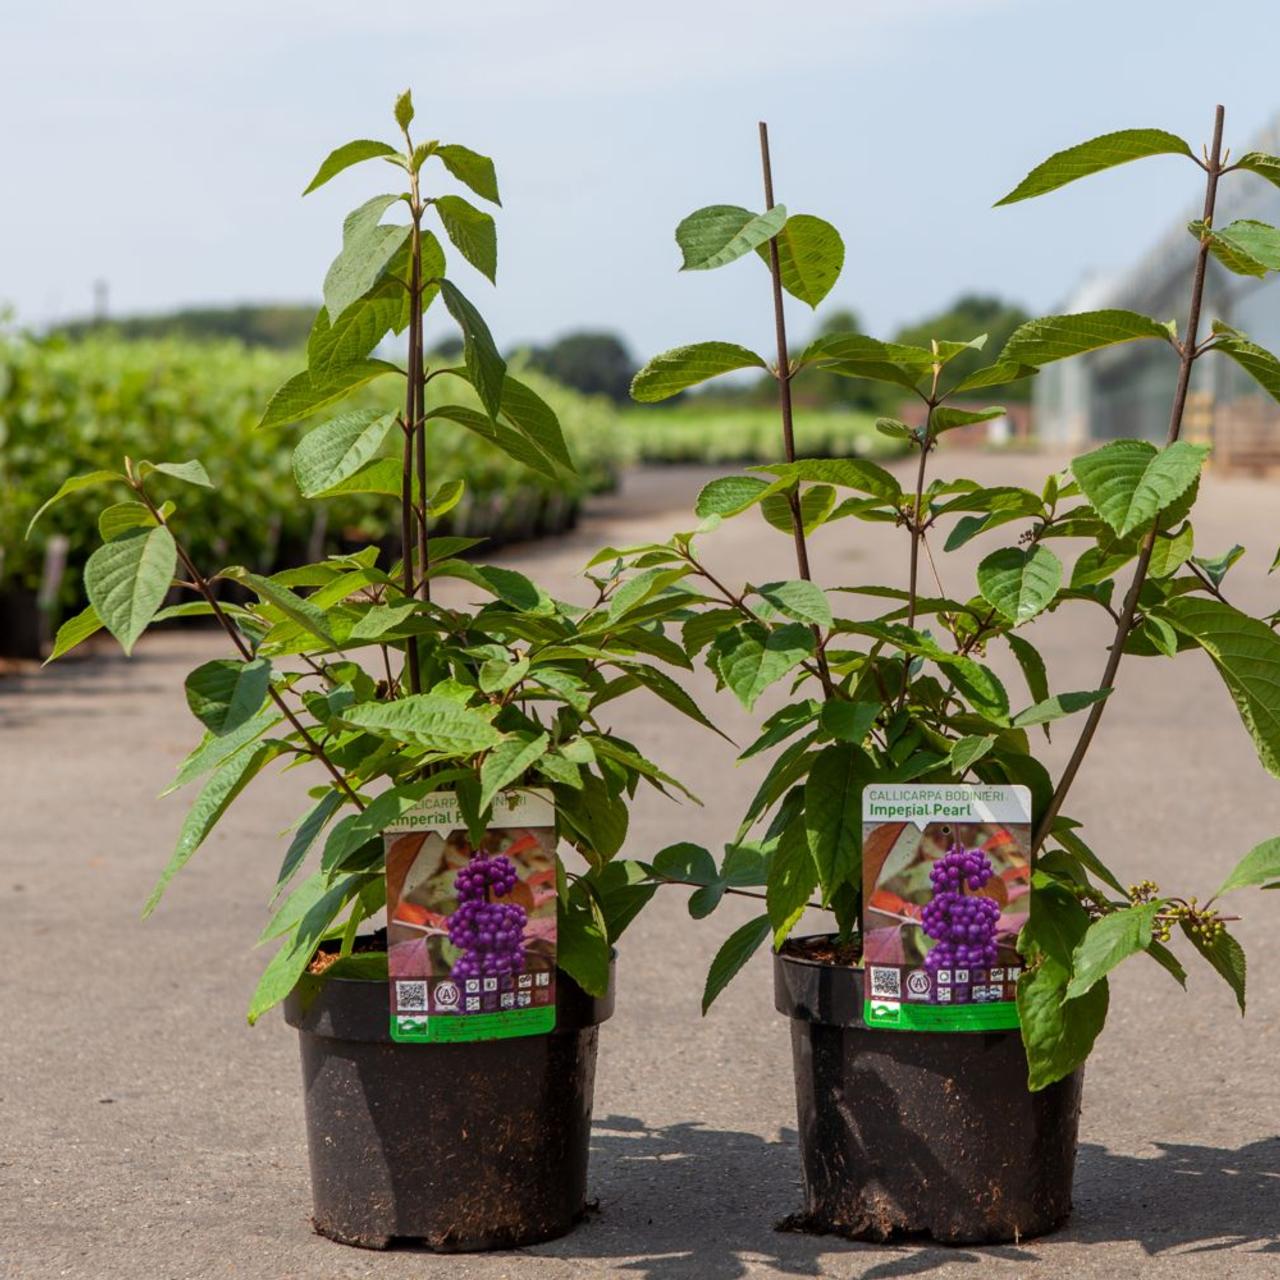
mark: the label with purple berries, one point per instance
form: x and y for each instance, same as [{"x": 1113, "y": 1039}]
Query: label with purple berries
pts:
[
  {"x": 946, "y": 878},
  {"x": 471, "y": 932}
]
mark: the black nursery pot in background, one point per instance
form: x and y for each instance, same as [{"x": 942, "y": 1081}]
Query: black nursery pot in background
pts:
[
  {"x": 919, "y": 1133},
  {"x": 455, "y": 1147}
]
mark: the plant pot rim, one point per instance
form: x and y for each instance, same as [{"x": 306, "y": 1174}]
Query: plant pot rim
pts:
[{"x": 790, "y": 954}]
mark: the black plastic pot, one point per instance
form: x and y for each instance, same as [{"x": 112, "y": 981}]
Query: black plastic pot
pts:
[
  {"x": 454, "y": 1147},
  {"x": 919, "y": 1133}
]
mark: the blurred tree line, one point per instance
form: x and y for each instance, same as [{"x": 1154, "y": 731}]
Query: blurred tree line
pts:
[{"x": 600, "y": 363}]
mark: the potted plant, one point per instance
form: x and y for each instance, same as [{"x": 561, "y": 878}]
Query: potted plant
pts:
[
  {"x": 965, "y": 1137},
  {"x": 402, "y": 700}
]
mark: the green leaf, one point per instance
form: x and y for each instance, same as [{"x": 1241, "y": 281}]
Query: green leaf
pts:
[
  {"x": 1058, "y": 1032},
  {"x": 1226, "y": 956},
  {"x": 75, "y": 631},
  {"x": 945, "y": 418},
  {"x": 224, "y": 693},
  {"x": 784, "y": 722},
  {"x": 309, "y": 829},
  {"x": 471, "y": 168},
  {"x": 849, "y": 473},
  {"x": 1170, "y": 552},
  {"x": 1247, "y": 655},
  {"x": 1099, "y": 153},
  {"x": 1129, "y": 482},
  {"x": 1216, "y": 567},
  {"x": 793, "y": 876},
  {"x": 127, "y": 579},
  {"x": 536, "y": 420},
  {"x": 751, "y": 657},
  {"x": 1109, "y": 940},
  {"x": 306, "y": 392},
  {"x": 294, "y": 607},
  {"x": 404, "y": 109},
  {"x": 816, "y": 504},
  {"x": 435, "y": 723},
  {"x": 735, "y": 951},
  {"x": 1256, "y": 361},
  {"x": 1064, "y": 704},
  {"x": 513, "y": 443},
  {"x": 994, "y": 375},
  {"x": 582, "y": 944},
  {"x": 508, "y": 762},
  {"x": 121, "y": 517},
  {"x": 345, "y": 156},
  {"x": 686, "y": 863},
  {"x": 1265, "y": 166},
  {"x": 486, "y": 368},
  {"x": 854, "y": 355},
  {"x": 1032, "y": 665},
  {"x": 682, "y": 367},
  {"x": 368, "y": 249},
  {"x": 967, "y": 751},
  {"x": 1019, "y": 583},
  {"x": 88, "y": 481},
  {"x": 720, "y": 233},
  {"x": 833, "y": 814},
  {"x": 472, "y": 232},
  {"x": 729, "y": 495},
  {"x": 1261, "y": 865},
  {"x": 849, "y": 721},
  {"x": 598, "y": 816},
  {"x": 1246, "y": 247},
  {"x": 191, "y": 472},
  {"x": 1040, "y": 342},
  {"x": 228, "y": 781},
  {"x": 804, "y": 601},
  {"x": 810, "y": 257},
  {"x": 622, "y": 889},
  {"x": 332, "y": 453},
  {"x": 356, "y": 830}
]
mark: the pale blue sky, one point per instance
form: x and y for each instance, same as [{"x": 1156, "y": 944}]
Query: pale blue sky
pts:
[{"x": 163, "y": 146}]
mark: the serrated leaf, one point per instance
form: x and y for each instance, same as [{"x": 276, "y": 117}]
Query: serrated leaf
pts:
[
  {"x": 368, "y": 249},
  {"x": 1031, "y": 664},
  {"x": 307, "y": 833},
  {"x": 850, "y": 473},
  {"x": 1040, "y": 342},
  {"x": 751, "y": 657},
  {"x": 854, "y": 355},
  {"x": 330, "y": 454},
  {"x": 582, "y": 944},
  {"x": 1259, "y": 162},
  {"x": 1247, "y": 247},
  {"x": 345, "y": 156},
  {"x": 1108, "y": 941},
  {"x": 127, "y": 579},
  {"x": 729, "y": 495},
  {"x": 1104, "y": 152},
  {"x": 1256, "y": 361},
  {"x": 1058, "y": 1033},
  {"x": 1130, "y": 482},
  {"x": 75, "y": 631},
  {"x": 76, "y": 483},
  {"x": 472, "y": 233},
  {"x": 721, "y": 233},
  {"x": 804, "y": 601},
  {"x": 121, "y": 517},
  {"x": 508, "y": 762},
  {"x": 529, "y": 414},
  {"x": 1247, "y": 655},
  {"x": 734, "y": 952},
  {"x": 513, "y": 443},
  {"x": 810, "y": 257},
  {"x": 1170, "y": 552},
  {"x": 295, "y": 607},
  {"x": 191, "y": 472},
  {"x": 945, "y": 418},
  {"x": 1260, "y": 866},
  {"x": 849, "y": 721},
  {"x": 1063, "y": 704},
  {"x": 682, "y": 367},
  {"x": 1020, "y": 582},
  {"x": 1216, "y": 567},
  {"x": 424, "y": 720},
  {"x": 686, "y": 863},
  {"x": 793, "y": 876},
  {"x": 994, "y": 375},
  {"x": 471, "y": 168},
  {"x": 816, "y": 504},
  {"x": 1226, "y": 956},
  {"x": 833, "y": 815},
  {"x": 487, "y": 369},
  {"x": 967, "y": 751},
  {"x": 306, "y": 393},
  {"x": 224, "y": 693}
]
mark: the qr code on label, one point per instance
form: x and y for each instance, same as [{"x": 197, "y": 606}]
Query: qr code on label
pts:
[
  {"x": 886, "y": 983},
  {"x": 411, "y": 997}
]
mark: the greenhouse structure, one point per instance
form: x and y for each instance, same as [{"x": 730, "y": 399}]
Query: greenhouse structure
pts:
[{"x": 1126, "y": 390}]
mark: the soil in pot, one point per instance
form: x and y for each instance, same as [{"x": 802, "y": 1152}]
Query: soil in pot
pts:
[
  {"x": 451, "y": 1147},
  {"x": 917, "y": 1133}
]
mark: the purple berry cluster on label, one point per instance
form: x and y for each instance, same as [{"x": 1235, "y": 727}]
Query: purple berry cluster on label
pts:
[
  {"x": 489, "y": 934},
  {"x": 963, "y": 925}
]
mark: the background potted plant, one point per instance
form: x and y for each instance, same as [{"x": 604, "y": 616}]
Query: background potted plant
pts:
[
  {"x": 394, "y": 694},
  {"x": 966, "y": 1137}
]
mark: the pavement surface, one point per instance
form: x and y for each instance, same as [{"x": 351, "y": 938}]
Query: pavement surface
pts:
[{"x": 146, "y": 1131}]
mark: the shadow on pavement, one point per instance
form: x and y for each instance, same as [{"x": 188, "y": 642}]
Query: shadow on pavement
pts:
[{"x": 688, "y": 1201}]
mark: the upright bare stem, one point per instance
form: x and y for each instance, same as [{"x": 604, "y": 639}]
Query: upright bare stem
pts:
[
  {"x": 409, "y": 521},
  {"x": 784, "y": 398},
  {"x": 1188, "y": 355}
]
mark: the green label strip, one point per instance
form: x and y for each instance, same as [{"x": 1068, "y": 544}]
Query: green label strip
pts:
[
  {"x": 999, "y": 1015},
  {"x": 453, "y": 1028}
]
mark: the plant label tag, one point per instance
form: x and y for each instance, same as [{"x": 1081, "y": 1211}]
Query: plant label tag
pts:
[
  {"x": 471, "y": 932},
  {"x": 946, "y": 879}
]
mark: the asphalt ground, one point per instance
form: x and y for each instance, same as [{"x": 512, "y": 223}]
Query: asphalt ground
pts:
[{"x": 146, "y": 1131}]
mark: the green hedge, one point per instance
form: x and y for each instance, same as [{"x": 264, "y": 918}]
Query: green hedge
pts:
[{"x": 68, "y": 407}]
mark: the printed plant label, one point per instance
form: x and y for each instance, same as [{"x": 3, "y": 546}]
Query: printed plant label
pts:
[
  {"x": 946, "y": 888},
  {"x": 471, "y": 933}
]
